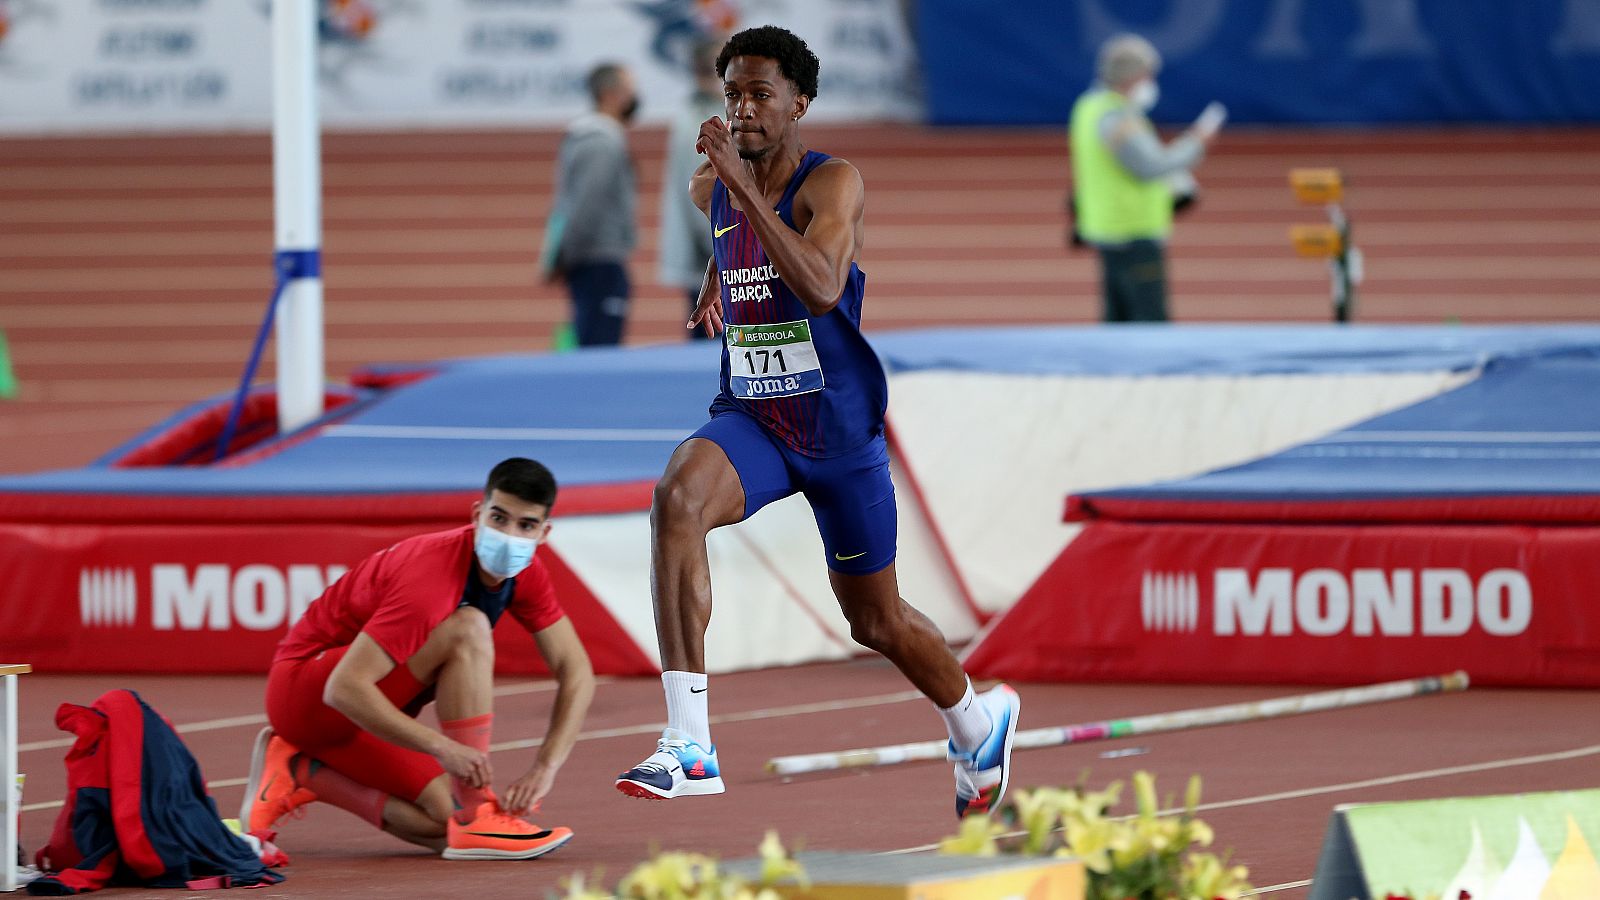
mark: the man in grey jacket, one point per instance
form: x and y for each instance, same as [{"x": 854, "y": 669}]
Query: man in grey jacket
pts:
[
  {"x": 591, "y": 228},
  {"x": 685, "y": 235}
]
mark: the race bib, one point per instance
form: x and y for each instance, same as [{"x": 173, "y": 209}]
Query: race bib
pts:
[{"x": 766, "y": 361}]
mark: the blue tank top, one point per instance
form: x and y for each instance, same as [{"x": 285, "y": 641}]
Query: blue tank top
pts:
[{"x": 813, "y": 381}]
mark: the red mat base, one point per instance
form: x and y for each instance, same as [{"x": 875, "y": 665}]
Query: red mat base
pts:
[
  {"x": 1333, "y": 604},
  {"x": 170, "y": 589}
]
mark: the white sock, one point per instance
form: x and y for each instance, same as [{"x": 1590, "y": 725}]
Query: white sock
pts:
[
  {"x": 968, "y": 721},
  {"x": 686, "y": 705}
]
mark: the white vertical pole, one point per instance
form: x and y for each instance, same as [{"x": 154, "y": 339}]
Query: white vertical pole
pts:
[
  {"x": 297, "y": 208},
  {"x": 8, "y": 771}
]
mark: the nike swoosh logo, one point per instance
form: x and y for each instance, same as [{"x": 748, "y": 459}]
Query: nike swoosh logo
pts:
[
  {"x": 848, "y": 558},
  {"x": 266, "y": 787},
  {"x": 719, "y": 232},
  {"x": 699, "y": 691},
  {"x": 512, "y": 837}
]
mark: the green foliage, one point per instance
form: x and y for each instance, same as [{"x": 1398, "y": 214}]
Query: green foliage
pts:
[
  {"x": 693, "y": 876},
  {"x": 1143, "y": 856}
]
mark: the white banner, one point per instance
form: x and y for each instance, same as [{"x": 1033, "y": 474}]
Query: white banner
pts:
[{"x": 142, "y": 65}]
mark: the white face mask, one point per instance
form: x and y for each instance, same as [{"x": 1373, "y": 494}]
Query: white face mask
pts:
[
  {"x": 1145, "y": 94},
  {"x": 500, "y": 554}
]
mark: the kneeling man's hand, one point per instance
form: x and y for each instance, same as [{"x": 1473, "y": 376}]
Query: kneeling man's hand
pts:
[
  {"x": 466, "y": 763},
  {"x": 527, "y": 791}
]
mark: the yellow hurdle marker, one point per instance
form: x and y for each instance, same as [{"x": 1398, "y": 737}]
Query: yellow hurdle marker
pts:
[
  {"x": 1332, "y": 242},
  {"x": 1319, "y": 241},
  {"x": 8, "y": 773},
  {"x": 1152, "y": 724},
  {"x": 1317, "y": 186}
]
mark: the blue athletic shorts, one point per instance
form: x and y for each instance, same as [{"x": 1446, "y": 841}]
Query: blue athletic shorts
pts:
[{"x": 851, "y": 495}]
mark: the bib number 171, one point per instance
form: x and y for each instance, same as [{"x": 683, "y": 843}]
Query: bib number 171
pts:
[
  {"x": 777, "y": 360},
  {"x": 763, "y": 362}
]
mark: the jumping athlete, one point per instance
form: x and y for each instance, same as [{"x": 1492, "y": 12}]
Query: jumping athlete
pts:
[
  {"x": 411, "y": 625},
  {"x": 801, "y": 410}
]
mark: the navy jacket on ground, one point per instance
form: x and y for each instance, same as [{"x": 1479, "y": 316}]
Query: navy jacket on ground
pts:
[{"x": 137, "y": 811}]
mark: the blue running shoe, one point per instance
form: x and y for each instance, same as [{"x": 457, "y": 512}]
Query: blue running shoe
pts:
[
  {"x": 679, "y": 768},
  {"x": 982, "y": 775}
]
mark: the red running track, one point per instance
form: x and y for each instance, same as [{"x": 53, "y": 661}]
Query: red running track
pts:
[
  {"x": 1272, "y": 783},
  {"x": 136, "y": 269}
]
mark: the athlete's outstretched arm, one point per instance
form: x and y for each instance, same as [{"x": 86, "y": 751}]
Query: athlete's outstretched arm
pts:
[
  {"x": 564, "y": 654},
  {"x": 700, "y": 185},
  {"x": 708, "y": 311},
  {"x": 815, "y": 264}
]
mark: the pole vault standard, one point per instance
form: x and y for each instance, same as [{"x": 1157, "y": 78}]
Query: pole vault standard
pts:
[
  {"x": 297, "y": 211},
  {"x": 1151, "y": 724}
]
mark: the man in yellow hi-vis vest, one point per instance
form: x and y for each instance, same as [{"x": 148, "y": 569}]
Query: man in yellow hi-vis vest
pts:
[{"x": 1125, "y": 180}]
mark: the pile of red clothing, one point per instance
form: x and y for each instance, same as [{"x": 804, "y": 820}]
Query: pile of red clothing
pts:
[{"x": 137, "y": 811}]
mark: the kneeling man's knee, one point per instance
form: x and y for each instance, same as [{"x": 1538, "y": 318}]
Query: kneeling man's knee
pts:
[{"x": 467, "y": 630}]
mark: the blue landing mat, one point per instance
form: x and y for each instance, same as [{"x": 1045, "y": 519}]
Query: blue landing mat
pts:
[{"x": 612, "y": 416}]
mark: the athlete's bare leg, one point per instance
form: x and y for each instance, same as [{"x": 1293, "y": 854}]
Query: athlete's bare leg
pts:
[
  {"x": 699, "y": 491},
  {"x": 880, "y": 620},
  {"x": 458, "y": 659},
  {"x": 423, "y": 822}
]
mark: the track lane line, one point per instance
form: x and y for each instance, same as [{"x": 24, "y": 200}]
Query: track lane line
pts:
[
  {"x": 508, "y": 690},
  {"x": 1422, "y": 775},
  {"x": 754, "y": 715},
  {"x": 598, "y": 734}
]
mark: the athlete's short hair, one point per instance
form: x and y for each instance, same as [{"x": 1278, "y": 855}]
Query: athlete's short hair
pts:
[
  {"x": 795, "y": 59},
  {"x": 524, "y": 479},
  {"x": 703, "y": 56}
]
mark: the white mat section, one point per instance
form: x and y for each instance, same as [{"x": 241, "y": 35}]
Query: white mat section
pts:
[
  {"x": 611, "y": 555},
  {"x": 927, "y": 580},
  {"x": 997, "y": 455},
  {"x": 772, "y": 603}
]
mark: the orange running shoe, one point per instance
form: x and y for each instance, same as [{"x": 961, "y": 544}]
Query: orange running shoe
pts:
[
  {"x": 271, "y": 793},
  {"x": 494, "y": 834}
]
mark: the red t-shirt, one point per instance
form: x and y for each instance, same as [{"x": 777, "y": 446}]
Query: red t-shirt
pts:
[{"x": 399, "y": 595}]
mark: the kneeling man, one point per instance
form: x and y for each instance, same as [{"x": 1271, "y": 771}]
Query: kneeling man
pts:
[{"x": 411, "y": 625}]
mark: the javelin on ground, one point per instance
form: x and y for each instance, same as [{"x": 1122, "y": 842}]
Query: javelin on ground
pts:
[{"x": 1150, "y": 724}]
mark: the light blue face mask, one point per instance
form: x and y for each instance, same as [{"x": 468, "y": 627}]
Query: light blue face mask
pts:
[
  {"x": 1145, "y": 95},
  {"x": 500, "y": 554}
]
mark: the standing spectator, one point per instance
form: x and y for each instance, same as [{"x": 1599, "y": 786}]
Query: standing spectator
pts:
[
  {"x": 685, "y": 234},
  {"x": 591, "y": 228},
  {"x": 1123, "y": 177}
]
